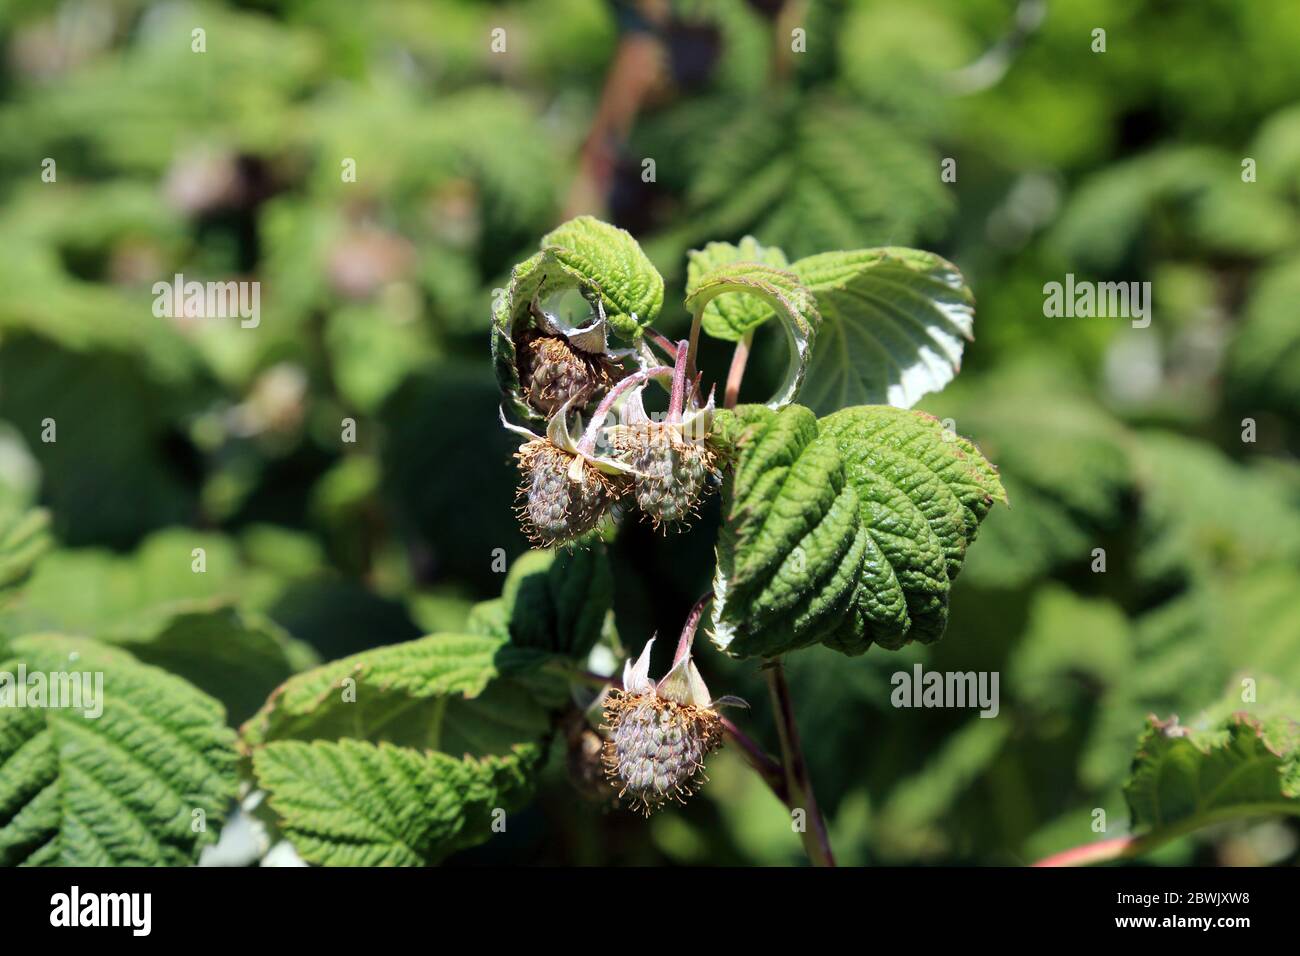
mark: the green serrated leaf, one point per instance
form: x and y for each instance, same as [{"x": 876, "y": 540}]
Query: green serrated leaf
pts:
[
  {"x": 557, "y": 601},
  {"x": 352, "y": 803},
  {"x": 449, "y": 692},
  {"x": 894, "y": 324},
  {"x": 731, "y": 316},
  {"x": 609, "y": 261},
  {"x": 1234, "y": 760},
  {"x": 847, "y": 531},
  {"x": 24, "y": 537},
  {"x": 462, "y": 718},
  {"x": 778, "y": 290},
  {"x": 123, "y": 788}
]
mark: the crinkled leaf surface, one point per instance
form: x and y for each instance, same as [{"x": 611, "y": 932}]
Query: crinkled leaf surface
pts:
[
  {"x": 400, "y": 754},
  {"x": 122, "y": 789},
  {"x": 440, "y": 692},
  {"x": 354, "y": 803},
  {"x": 608, "y": 260},
  {"x": 848, "y": 531}
]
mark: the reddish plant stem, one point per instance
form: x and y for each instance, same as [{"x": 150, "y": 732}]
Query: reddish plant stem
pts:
[
  {"x": 637, "y": 67},
  {"x": 816, "y": 840},
  {"x": 694, "y": 342},
  {"x": 737, "y": 371},
  {"x": 1103, "y": 851},
  {"x": 587, "y": 444},
  {"x": 677, "y": 400},
  {"x": 661, "y": 340}
]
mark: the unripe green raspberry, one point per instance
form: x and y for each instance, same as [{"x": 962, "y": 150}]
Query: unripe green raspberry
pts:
[
  {"x": 671, "y": 472},
  {"x": 660, "y": 732},
  {"x": 563, "y": 495}
]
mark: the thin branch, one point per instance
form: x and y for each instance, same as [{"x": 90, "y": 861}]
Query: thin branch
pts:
[
  {"x": 637, "y": 68},
  {"x": 816, "y": 840},
  {"x": 737, "y": 371}
]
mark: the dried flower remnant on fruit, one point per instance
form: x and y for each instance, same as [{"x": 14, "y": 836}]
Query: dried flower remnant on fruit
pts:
[
  {"x": 565, "y": 485},
  {"x": 553, "y": 372},
  {"x": 660, "y": 733},
  {"x": 672, "y": 464}
]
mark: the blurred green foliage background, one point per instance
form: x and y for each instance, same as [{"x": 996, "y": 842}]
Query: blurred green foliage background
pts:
[{"x": 1121, "y": 165}]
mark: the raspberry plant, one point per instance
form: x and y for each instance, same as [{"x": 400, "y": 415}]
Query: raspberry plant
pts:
[
  {"x": 845, "y": 518},
  {"x": 845, "y": 529}
]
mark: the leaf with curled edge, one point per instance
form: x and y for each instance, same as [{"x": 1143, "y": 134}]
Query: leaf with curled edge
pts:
[
  {"x": 1235, "y": 760},
  {"x": 894, "y": 324},
  {"x": 781, "y": 292},
  {"x": 121, "y": 787},
  {"x": 732, "y": 315},
  {"x": 848, "y": 531}
]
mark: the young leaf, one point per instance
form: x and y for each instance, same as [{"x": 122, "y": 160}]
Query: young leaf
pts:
[
  {"x": 604, "y": 263},
  {"x": 608, "y": 261},
  {"x": 775, "y": 289},
  {"x": 731, "y": 316},
  {"x": 1232, "y": 761},
  {"x": 124, "y": 788},
  {"x": 894, "y": 323},
  {"x": 847, "y": 531},
  {"x": 351, "y": 803}
]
